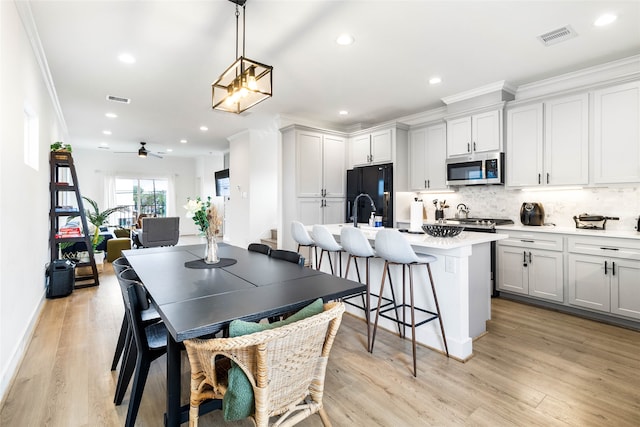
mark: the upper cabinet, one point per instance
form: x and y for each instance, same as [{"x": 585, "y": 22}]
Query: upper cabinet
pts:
[
  {"x": 427, "y": 155},
  {"x": 616, "y": 134},
  {"x": 547, "y": 143},
  {"x": 374, "y": 147},
  {"x": 320, "y": 164},
  {"x": 474, "y": 134}
]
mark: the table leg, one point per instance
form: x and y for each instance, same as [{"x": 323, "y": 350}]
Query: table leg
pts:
[{"x": 173, "y": 383}]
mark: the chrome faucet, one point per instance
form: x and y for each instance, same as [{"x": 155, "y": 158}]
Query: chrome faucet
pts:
[{"x": 355, "y": 207}]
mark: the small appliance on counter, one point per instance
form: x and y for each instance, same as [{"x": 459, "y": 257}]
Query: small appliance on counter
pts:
[
  {"x": 532, "y": 213},
  {"x": 592, "y": 222}
]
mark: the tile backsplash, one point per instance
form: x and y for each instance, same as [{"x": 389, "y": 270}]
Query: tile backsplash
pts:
[{"x": 560, "y": 206}]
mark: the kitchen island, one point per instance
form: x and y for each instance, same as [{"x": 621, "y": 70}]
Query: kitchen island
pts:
[{"x": 462, "y": 276}]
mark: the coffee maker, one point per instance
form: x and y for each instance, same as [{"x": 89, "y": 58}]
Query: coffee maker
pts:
[{"x": 532, "y": 213}]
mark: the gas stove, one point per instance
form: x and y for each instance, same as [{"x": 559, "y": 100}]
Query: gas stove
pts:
[{"x": 483, "y": 225}]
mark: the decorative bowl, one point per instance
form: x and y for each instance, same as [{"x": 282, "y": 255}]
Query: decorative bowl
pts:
[{"x": 442, "y": 230}]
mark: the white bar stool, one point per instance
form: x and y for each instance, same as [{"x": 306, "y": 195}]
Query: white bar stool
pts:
[
  {"x": 356, "y": 244},
  {"x": 327, "y": 243},
  {"x": 396, "y": 250},
  {"x": 303, "y": 239}
]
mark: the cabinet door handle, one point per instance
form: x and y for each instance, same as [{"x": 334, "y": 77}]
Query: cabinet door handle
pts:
[
  {"x": 428, "y": 183},
  {"x": 527, "y": 241},
  {"x": 605, "y": 268},
  {"x": 425, "y": 184},
  {"x": 547, "y": 177},
  {"x": 474, "y": 146},
  {"x": 613, "y": 268},
  {"x": 530, "y": 260},
  {"x": 524, "y": 258},
  {"x": 609, "y": 249},
  {"x": 468, "y": 147},
  {"x": 539, "y": 181}
]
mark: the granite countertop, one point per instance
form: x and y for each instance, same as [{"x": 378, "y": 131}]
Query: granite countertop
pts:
[{"x": 464, "y": 239}]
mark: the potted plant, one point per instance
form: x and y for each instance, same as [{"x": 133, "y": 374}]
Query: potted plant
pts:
[
  {"x": 98, "y": 218},
  {"x": 60, "y": 146}
]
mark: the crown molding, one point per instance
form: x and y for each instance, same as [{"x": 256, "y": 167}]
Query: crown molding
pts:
[
  {"x": 425, "y": 117},
  {"x": 24, "y": 11},
  {"x": 625, "y": 68},
  {"x": 482, "y": 90}
]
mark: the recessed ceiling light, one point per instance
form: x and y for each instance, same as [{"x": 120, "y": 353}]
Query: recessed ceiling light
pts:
[
  {"x": 343, "y": 112},
  {"x": 104, "y": 144},
  {"x": 605, "y": 19},
  {"x": 169, "y": 150},
  {"x": 435, "y": 80},
  {"x": 111, "y": 115},
  {"x": 203, "y": 128},
  {"x": 345, "y": 39},
  {"x": 127, "y": 58},
  {"x": 183, "y": 141},
  {"x": 106, "y": 132}
]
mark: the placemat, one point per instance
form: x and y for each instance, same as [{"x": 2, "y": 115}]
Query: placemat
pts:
[{"x": 199, "y": 263}]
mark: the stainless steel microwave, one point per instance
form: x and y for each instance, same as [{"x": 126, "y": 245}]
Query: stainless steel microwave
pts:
[{"x": 480, "y": 168}]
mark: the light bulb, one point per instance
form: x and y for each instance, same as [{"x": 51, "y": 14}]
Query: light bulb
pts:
[{"x": 251, "y": 79}]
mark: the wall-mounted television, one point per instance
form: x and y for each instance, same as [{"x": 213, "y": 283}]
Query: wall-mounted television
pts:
[{"x": 222, "y": 183}]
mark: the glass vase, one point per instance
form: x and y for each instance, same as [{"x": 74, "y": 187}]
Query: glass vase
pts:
[{"x": 211, "y": 250}]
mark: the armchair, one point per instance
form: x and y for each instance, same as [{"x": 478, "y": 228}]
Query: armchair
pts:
[{"x": 159, "y": 232}]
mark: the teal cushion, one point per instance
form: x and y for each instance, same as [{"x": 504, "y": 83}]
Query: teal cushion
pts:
[{"x": 238, "y": 402}]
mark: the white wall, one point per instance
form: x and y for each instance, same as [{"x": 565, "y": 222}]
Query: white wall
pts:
[
  {"x": 24, "y": 194},
  {"x": 252, "y": 208}
]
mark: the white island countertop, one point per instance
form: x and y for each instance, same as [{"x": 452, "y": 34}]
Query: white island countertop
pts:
[{"x": 464, "y": 239}]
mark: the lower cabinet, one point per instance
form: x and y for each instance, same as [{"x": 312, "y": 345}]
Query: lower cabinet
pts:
[
  {"x": 605, "y": 284},
  {"x": 316, "y": 210},
  {"x": 531, "y": 272}
]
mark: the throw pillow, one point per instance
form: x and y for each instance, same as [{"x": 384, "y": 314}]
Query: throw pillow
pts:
[{"x": 238, "y": 402}]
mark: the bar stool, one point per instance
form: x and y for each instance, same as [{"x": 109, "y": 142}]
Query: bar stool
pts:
[
  {"x": 327, "y": 243},
  {"x": 356, "y": 244},
  {"x": 396, "y": 250},
  {"x": 303, "y": 239}
]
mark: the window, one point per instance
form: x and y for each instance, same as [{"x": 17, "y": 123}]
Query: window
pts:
[{"x": 143, "y": 195}]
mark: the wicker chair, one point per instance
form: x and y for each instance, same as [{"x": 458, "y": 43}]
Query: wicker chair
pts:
[{"x": 285, "y": 365}]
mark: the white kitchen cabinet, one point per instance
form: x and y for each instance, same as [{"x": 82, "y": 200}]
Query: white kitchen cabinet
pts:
[
  {"x": 320, "y": 165},
  {"x": 525, "y": 145},
  {"x": 548, "y": 143},
  {"x": 531, "y": 272},
  {"x": 604, "y": 275},
  {"x": 320, "y": 210},
  {"x": 374, "y": 147},
  {"x": 616, "y": 138},
  {"x": 532, "y": 265},
  {"x": 427, "y": 155},
  {"x": 474, "y": 134}
]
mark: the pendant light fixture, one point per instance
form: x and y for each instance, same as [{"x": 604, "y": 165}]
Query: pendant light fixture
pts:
[{"x": 246, "y": 82}]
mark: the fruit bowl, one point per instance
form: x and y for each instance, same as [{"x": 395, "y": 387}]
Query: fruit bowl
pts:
[{"x": 442, "y": 230}]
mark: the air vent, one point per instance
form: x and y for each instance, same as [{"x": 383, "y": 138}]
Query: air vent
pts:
[
  {"x": 118, "y": 99},
  {"x": 557, "y": 36}
]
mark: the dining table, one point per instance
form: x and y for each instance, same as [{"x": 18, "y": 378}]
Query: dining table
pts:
[{"x": 196, "y": 300}]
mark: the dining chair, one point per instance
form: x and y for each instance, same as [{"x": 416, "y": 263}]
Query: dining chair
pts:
[
  {"x": 150, "y": 342},
  {"x": 303, "y": 239},
  {"x": 395, "y": 249},
  {"x": 149, "y": 316},
  {"x": 259, "y": 247},
  {"x": 285, "y": 255},
  {"x": 285, "y": 367}
]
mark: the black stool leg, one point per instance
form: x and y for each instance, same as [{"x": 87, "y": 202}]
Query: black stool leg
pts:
[
  {"x": 366, "y": 302},
  {"x": 413, "y": 321},
  {"x": 121, "y": 342},
  {"x": 375, "y": 324},
  {"x": 395, "y": 304}
]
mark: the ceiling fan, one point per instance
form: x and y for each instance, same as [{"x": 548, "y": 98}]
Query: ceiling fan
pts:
[{"x": 142, "y": 151}]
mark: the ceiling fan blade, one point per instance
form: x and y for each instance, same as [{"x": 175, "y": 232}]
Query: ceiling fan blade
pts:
[{"x": 149, "y": 153}]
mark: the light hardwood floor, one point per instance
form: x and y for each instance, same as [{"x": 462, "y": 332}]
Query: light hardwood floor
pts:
[{"x": 534, "y": 367}]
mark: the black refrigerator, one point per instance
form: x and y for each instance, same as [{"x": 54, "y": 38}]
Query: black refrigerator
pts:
[{"x": 377, "y": 182}]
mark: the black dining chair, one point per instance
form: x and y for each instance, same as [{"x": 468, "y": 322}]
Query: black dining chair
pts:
[
  {"x": 289, "y": 256},
  {"x": 149, "y": 343},
  {"x": 259, "y": 247}
]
